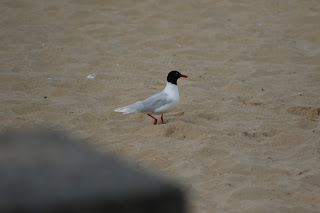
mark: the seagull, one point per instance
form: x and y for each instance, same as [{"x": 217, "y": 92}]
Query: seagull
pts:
[{"x": 159, "y": 103}]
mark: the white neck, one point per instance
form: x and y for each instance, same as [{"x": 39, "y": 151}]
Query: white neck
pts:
[{"x": 171, "y": 89}]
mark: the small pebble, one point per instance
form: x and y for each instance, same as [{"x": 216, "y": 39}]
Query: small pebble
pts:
[{"x": 91, "y": 76}]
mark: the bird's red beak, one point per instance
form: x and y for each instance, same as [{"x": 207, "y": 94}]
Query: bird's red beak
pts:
[{"x": 183, "y": 76}]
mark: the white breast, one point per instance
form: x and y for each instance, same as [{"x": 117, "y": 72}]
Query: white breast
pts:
[{"x": 173, "y": 95}]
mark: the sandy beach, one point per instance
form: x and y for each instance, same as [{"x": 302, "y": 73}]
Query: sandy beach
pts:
[{"x": 245, "y": 136}]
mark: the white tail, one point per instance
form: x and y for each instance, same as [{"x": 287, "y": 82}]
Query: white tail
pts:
[
  {"x": 130, "y": 109},
  {"x": 122, "y": 109}
]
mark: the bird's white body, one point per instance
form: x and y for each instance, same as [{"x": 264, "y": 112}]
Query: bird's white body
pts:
[
  {"x": 173, "y": 99},
  {"x": 160, "y": 103}
]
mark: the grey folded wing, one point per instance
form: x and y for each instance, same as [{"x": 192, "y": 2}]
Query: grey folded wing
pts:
[
  {"x": 147, "y": 106},
  {"x": 154, "y": 102}
]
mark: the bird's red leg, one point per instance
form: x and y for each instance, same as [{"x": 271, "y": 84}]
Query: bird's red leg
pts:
[
  {"x": 162, "y": 119},
  {"x": 155, "y": 120}
]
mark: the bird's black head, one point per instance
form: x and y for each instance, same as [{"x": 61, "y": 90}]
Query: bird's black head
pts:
[{"x": 174, "y": 75}]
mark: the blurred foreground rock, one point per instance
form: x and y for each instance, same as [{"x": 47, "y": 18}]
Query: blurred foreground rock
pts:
[{"x": 49, "y": 172}]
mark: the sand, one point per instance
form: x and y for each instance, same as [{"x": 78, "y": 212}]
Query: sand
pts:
[{"x": 245, "y": 136}]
